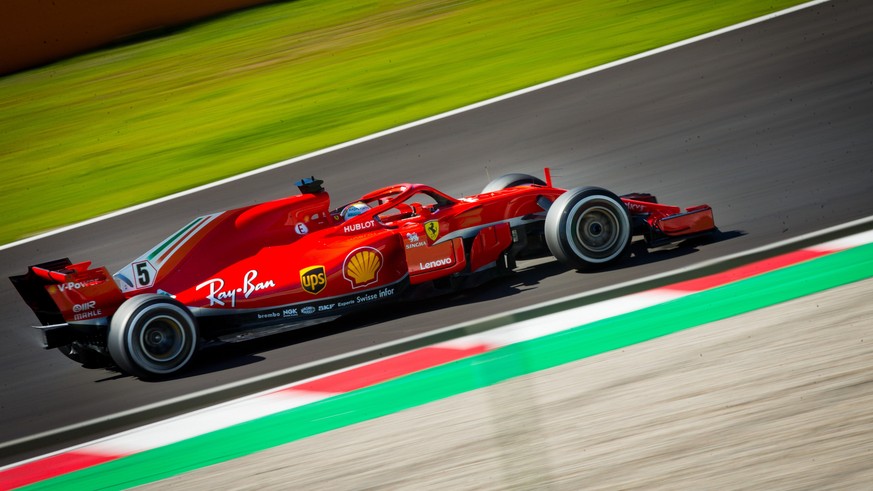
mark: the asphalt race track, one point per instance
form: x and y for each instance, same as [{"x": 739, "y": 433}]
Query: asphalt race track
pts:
[{"x": 771, "y": 125}]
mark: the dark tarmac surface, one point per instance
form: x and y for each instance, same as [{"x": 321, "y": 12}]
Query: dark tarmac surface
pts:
[{"x": 771, "y": 125}]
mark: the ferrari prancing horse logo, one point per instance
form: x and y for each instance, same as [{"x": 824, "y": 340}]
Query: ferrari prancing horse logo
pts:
[{"x": 433, "y": 229}]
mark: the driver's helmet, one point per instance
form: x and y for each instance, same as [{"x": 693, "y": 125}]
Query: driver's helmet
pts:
[{"x": 354, "y": 210}]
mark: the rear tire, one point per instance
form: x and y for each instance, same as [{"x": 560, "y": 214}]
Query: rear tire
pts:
[
  {"x": 152, "y": 336},
  {"x": 510, "y": 181},
  {"x": 587, "y": 228}
]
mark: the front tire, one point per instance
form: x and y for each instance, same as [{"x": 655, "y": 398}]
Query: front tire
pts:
[
  {"x": 587, "y": 228},
  {"x": 152, "y": 336}
]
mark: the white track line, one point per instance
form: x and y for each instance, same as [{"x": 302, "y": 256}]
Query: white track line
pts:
[{"x": 420, "y": 122}]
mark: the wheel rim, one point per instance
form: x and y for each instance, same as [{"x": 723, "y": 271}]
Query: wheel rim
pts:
[
  {"x": 162, "y": 339},
  {"x": 597, "y": 229}
]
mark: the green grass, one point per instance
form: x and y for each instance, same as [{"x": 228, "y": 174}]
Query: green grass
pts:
[{"x": 122, "y": 126}]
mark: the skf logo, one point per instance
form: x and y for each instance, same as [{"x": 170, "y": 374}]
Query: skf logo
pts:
[
  {"x": 433, "y": 229},
  {"x": 362, "y": 266},
  {"x": 313, "y": 279}
]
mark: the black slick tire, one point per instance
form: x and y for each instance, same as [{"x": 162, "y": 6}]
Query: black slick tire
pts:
[
  {"x": 152, "y": 336},
  {"x": 510, "y": 181}
]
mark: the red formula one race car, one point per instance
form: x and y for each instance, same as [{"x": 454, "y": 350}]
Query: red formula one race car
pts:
[{"x": 294, "y": 262}]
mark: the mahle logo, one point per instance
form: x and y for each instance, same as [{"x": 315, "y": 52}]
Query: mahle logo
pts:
[{"x": 313, "y": 279}]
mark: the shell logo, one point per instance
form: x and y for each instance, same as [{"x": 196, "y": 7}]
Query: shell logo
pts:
[{"x": 362, "y": 266}]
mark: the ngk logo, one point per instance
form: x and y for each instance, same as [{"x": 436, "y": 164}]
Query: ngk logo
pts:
[{"x": 84, "y": 307}]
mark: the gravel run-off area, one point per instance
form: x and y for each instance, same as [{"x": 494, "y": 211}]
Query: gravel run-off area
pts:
[{"x": 779, "y": 398}]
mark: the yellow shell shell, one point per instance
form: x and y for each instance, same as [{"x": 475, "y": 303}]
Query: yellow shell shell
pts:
[{"x": 363, "y": 266}]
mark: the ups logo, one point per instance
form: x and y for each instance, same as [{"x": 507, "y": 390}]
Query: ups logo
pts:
[{"x": 313, "y": 279}]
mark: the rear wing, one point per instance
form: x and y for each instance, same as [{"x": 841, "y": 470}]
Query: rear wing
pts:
[{"x": 59, "y": 291}]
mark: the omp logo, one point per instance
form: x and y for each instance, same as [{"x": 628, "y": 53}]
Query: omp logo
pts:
[
  {"x": 313, "y": 279},
  {"x": 362, "y": 266},
  {"x": 433, "y": 229}
]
